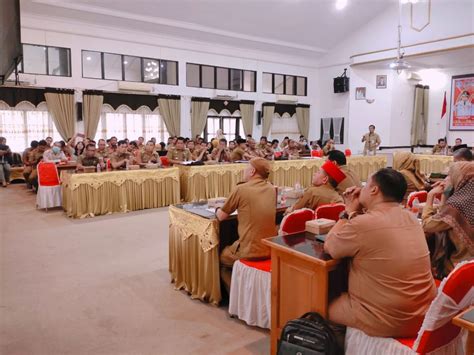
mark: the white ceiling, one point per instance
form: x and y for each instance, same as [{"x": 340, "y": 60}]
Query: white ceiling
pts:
[
  {"x": 455, "y": 58},
  {"x": 301, "y": 27}
]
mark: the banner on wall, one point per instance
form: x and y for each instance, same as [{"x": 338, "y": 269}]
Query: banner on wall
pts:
[{"x": 462, "y": 103}]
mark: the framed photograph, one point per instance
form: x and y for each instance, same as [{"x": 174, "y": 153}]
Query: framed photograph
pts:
[
  {"x": 381, "y": 82},
  {"x": 360, "y": 93},
  {"x": 461, "y": 115}
]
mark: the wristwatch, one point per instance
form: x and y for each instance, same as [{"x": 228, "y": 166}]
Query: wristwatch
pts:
[{"x": 345, "y": 215}]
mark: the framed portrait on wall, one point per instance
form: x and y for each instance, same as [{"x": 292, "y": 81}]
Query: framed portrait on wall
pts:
[
  {"x": 360, "y": 93},
  {"x": 381, "y": 82},
  {"x": 461, "y": 115}
]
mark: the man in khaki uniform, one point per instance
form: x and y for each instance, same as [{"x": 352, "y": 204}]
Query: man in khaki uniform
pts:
[
  {"x": 239, "y": 152},
  {"x": 441, "y": 148},
  {"x": 329, "y": 146},
  {"x": 112, "y": 148},
  {"x": 178, "y": 153},
  {"x": 372, "y": 141},
  {"x": 390, "y": 281},
  {"x": 252, "y": 150},
  {"x": 255, "y": 200},
  {"x": 221, "y": 154},
  {"x": 89, "y": 158},
  {"x": 265, "y": 150},
  {"x": 291, "y": 151},
  {"x": 352, "y": 179},
  {"x": 102, "y": 149},
  {"x": 148, "y": 155},
  {"x": 121, "y": 158},
  {"x": 323, "y": 191}
]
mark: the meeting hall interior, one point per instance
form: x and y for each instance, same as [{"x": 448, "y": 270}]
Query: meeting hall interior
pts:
[{"x": 236, "y": 177}]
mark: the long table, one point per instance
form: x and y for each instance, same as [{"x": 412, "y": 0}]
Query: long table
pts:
[
  {"x": 92, "y": 194},
  {"x": 210, "y": 181}
]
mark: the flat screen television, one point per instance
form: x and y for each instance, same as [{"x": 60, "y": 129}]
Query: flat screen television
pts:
[{"x": 10, "y": 37}]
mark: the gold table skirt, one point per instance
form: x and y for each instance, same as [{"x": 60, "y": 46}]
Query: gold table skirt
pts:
[
  {"x": 89, "y": 195},
  {"x": 364, "y": 166},
  {"x": 209, "y": 181},
  {"x": 429, "y": 163},
  {"x": 194, "y": 255}
]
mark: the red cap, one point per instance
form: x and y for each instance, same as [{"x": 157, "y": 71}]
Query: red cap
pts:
[{"x": 333, "y": 171}]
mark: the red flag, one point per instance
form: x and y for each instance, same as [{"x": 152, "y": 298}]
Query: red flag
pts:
[{"x": 443, "y": 110}]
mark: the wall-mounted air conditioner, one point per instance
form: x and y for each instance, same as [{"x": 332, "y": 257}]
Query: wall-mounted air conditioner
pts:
[
  {"x": 287, "y": 99},
  {"x": 129, "y": 86},
  {"x": 224, "y": 95},
  {"x": 414, "y": 76}
]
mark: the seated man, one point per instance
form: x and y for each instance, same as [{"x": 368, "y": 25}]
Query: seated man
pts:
[
  {"x": 441, "y": 148},
  {"x": 221, "y": 154},
  {"x": 112, "y": 148},
  {"x": 323, "y": 191},
  {"x": 328, "y": 147},
  {"x": 255, "y": 199},
  {"x": 121, "y": 158},
  {"x": 239, "y": 153},
  {"x": 291, "y": 151},
  {"x": 5, "y": 161},
  {"x": 90, "y": 158},
  {"x": 265, "y": 149},
  {"x": 252, "y": 150},
  {"x": 148, "y": 155},
  {"x": 390, "y": 280},
  {"x": 178, "y": 153},
  {"x": 55, "y": 154},
  {"x": 102, "y": 149},
  {"x": 352, "y": 179},
  {"x": 35, "y": 156}
]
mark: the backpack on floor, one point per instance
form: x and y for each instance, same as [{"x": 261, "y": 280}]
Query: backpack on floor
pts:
[{"x": 308, "y": 335}]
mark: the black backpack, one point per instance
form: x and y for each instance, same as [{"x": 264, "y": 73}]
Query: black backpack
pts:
[{"x": 308, "y": 335}]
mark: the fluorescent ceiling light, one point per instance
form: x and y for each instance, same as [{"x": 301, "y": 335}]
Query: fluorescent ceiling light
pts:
[
  {"x": 125, "y": 62},
  {"x": 341, "y": 4},
  {"x": 88, "y": 58}
]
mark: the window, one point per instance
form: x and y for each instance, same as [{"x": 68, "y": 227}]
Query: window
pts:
[
  {"x": 46, "y": 60},
  {"x": 109, "y": 66},
  {"x": 91, "y": 65},
  {"x": 210, "y": 77},
  {"x": 24, "y": 123},
  {"x": 222, "y": 75},
  {"x": 125, "y": 123},
  {"x": 132, "y": 68},
  {"x": 230, "y": 124},
  {"x": 284, "y": 84},
  {"x": 151, "y": 71},
  {"x": 112, "y": 66},
  {"x": 192, "y": 75}
]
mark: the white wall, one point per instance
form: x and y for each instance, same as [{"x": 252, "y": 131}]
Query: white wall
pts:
[{"x": 36, "y": 30}]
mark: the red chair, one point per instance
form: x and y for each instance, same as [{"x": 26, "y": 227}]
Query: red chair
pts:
[
  {"x": 278, "y": 154},
  {"x": 420, "y": 195},
  {"x": 331, "y": 211},
  {"x": 49, "y": 188},
  {"x": 164, "y": 161},
  {"x": 295, "y": 221},
  {"x": 316, "y": 153},
  {"x": 437, "y": 334},
  {"x": 348, "y": 152}
]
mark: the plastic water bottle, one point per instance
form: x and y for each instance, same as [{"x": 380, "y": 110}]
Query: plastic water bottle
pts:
[
  {"x": 99, "y": 168},
  {"x": 415, "y": 207}
]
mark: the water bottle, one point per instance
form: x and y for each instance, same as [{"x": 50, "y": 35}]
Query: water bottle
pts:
[
  {"x": 99, "y": 168},
  {"x": 415, "y": 207}
]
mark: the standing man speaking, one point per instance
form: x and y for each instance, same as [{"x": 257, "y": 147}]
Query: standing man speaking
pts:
[{"x": 372, "y": 141}]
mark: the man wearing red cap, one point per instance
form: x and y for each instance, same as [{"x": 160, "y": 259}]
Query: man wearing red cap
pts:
[
  {"x": 255, "y": 201},
  {"x": 323, "y": 191}
]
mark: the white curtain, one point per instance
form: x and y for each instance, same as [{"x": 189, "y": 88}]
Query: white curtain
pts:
[
  {"x": 268, "y": 112},
  {"x": 419, "y": 126},
  {"x": 198, "y": 117},
  {"x": 326, "y": 128},
  {"x": 337, "y": 123},
  {"x": 247, "y": 112},
  {"x": 126, "y": 123},
  {"x": 25, "y": 122},
  {"x": 302, "y": 118}
]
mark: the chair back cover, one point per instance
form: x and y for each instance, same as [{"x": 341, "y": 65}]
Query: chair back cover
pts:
[
  {"x": 47, "y": 174},
  {"x": 296, "y": 221},
  {"x": 330, "y": 211}
]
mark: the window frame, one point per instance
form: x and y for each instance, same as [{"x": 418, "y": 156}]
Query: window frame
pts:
[
  {"x": 142, "y": 76},
  {"x": 47, "y": 60},
  {"x": 221, "y": 118},
  {"x": 295, "y": 84},
  {"x": 229, "y": 70}
]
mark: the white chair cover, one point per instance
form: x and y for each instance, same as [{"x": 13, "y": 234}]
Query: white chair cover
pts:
[
  {"x": 250, "y": 295},
  {"x": 49, "y": 196}
]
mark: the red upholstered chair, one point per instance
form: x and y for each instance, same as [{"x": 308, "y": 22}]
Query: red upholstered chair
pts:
[
  {"x": 420, "y": 195},
  {"x": 164, "y": 161},
  {"x": 295, "y": 221},
  {"x": 49, "y": 188},
  {"x": 330, "y": 211},
  {"x": 348, "y": 152},
  {"x": 437, "y": 336},
  {"x": 316, "y": 153},
  {"x": 278, "y": 154}
]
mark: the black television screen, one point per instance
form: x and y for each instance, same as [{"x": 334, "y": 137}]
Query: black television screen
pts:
[{"x": 10, "y": 41}]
